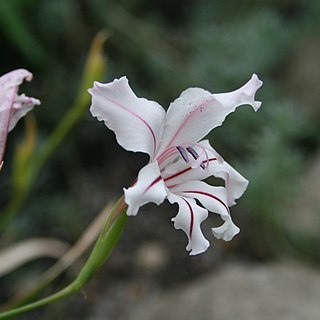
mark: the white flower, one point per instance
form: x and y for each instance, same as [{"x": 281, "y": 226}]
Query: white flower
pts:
[
  {"x": 13, "y": 106},
  {"x": 178, "y": 161}
]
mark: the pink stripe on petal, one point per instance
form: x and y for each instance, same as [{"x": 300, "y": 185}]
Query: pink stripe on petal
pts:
[
  {"x": 166, "y": 154},
  {"x": 186, "y": 170},
  {"x": 191, "y": 217},
  {"x": 188, "y": 118},
  {"x": 177, "y": 174},
  {"x": 155, "y": 181},
  {"x": 208, "y": 195},
  {"x": 137, "y": 116},
  {"x": 149, "y": 187}
]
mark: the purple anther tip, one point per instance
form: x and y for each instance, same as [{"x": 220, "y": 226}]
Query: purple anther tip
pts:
[
  {"x": 183, "y": 153},
  {"x": 193, "y": 153}
]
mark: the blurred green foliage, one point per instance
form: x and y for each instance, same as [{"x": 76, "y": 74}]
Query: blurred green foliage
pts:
[{"x": 164, "y": 47}]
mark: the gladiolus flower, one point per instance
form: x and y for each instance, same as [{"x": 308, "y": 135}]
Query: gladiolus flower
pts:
[
  {"x": 13, "y": 106},
  {"x": 179, "y": 161}
]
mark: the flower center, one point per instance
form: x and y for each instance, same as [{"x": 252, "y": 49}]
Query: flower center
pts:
[
  {"x": 184, "y": 154},
  {"x": 194, "y": 154}
]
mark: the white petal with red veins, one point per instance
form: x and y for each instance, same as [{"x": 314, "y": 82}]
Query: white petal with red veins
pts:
[
  {"x": 196, "y": 112},
  {"x": 180, "y": 172},
  {"x": 137, "y": 122},
  {"x": 148, "y": 188},
  {"x": 178, "y": 161},
  {"x": 189, "y": 219},
  {"x": 235, "y": 183},
  {"x": 214, "y": 199}
]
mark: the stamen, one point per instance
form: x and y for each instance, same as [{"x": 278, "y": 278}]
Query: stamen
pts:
[
  {"x": 183, "y": 153},
  {"x": 202, "y": 165},
  {"x": 193, "y": 153},
  {"x": 195, "y": 156}
]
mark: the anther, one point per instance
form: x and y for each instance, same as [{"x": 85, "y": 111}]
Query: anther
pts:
[
  {"x": 193, "y": 153},
  {"x": 183, "y": 153}
]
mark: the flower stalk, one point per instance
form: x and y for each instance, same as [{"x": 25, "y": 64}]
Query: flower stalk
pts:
[{"x": 107, "y": 240}]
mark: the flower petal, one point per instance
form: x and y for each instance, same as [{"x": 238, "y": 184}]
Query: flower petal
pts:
[
  {"x": 5, "y": 113},
  {"x": 235, "y": 183},
  {"x": 213, "y": 199},
  {"x": 22, "y": 105},
  {"x": 12, "y": 106},
  {"x": 189, "y": 219},
  {"x": 14, "y": 79},
  {"x": 137, "y": 122},
  {"x": 196, "y": 112},
  {"x": 10, "y": 101},
  {"x": 148, "y": 188}
]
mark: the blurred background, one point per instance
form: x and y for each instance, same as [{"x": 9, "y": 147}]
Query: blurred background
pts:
[{"x": 165, "y": 47}]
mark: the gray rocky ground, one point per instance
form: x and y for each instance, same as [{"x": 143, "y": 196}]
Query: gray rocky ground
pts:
[{"x": 277, "y": 291}]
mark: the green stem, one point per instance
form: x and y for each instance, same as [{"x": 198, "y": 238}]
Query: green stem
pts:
[
  {"x": 107, "y": 240},
  {"x": 72, "y": 288}
]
